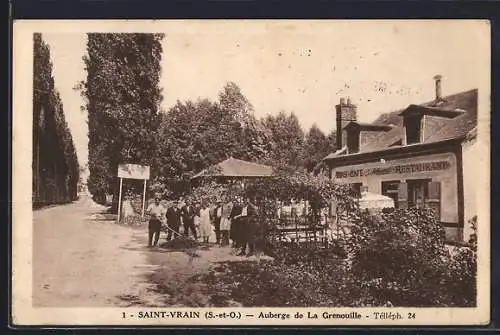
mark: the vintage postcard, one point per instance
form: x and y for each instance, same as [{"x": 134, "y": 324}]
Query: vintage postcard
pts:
[{"x": 251, "y": 172}]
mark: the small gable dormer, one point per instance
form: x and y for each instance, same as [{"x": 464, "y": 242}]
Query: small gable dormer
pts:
[
  {"x": 355, "y": 131},
  {"x": 415, "y": 116},
  {"x": 412, "y": 126}
]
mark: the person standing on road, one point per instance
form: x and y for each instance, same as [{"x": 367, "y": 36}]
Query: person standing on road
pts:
[
  {"x": 215, "y": 216},
  {"x": 157, "y": 213},
  {"x": 196, "y": 219},
  {"x": 236, "y": 224},
  {"x": 188, "y": 213},
  {"x": 225, "y": 222},
  {"x": 250, "y": 228},
  {"x": 205, "y": 223},
  {"x": 173, "y": 220}
]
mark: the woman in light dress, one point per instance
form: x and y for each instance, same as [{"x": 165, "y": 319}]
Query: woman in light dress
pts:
[
  {"x": 127, "y": 209},
  {"x": 225, "y": 222},
  {"x": 205, "y": 226}
]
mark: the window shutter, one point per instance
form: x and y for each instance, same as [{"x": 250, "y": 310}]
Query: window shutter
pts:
[
  {"x": 403, "y": 195},
  {"x": 434, "y": 199}
]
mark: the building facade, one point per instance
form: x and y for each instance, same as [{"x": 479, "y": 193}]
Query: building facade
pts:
[{"x": 421, "y": 156}]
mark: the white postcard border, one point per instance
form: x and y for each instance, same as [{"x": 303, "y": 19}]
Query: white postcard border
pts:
[{"x": 23, "y": 313}]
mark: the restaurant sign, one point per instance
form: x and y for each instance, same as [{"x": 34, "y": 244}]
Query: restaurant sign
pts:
[{"x": 397, "y": 169}]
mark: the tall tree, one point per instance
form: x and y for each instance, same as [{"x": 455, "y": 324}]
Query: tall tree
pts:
[
  {"x": 196, "y": 135},
  {"x": 252, "y": 139},
  {"x": 55, "y": 163},
  {"x": 255, "y": 141},
  {"x": 193, "y": 136},
  {"x": 123, "y": 100},
  {"x": 332, "y": 141},
  {"x": 287, "y": 139},
  {"x": 232, "y": 100},
  {"x": 316, "y": 147}
]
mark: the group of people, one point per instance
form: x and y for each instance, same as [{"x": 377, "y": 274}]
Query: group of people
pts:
[
  {"x": 236, "y": 220},
  {"x": 230, "y": 219}
]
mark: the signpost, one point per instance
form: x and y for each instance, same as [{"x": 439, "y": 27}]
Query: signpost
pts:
[{"x": 132, "y": 171}]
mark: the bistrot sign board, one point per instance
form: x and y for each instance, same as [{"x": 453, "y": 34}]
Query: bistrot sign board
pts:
[{"x": 133, "y": 171}]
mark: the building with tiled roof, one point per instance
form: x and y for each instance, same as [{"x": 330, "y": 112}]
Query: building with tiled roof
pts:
[
  {"x": 233, "y": 168},
  {"x": 419, "y": 156}
]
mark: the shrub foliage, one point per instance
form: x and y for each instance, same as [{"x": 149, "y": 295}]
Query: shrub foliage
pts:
[{"x": 396, "y": 258}]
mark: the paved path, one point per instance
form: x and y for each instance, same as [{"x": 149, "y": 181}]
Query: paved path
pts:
[{"x": 80, "y": 261}]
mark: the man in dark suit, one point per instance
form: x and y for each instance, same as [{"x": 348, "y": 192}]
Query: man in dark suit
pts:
[
  {"x": 250, "y": 228},
  {"x": 188, "y": 213},
  {"x": 173, "y": 219}
]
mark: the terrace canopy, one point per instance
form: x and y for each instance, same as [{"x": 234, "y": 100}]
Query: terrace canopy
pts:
[
  {"x": 370, "y": 200},
  {"x": 235, "y": 169}
]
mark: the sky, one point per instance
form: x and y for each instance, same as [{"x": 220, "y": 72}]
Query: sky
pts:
[{"x": 303, "y": 67}]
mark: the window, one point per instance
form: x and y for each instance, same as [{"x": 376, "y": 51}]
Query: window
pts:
[
  {"x": 418, "y": 192},
  {"x": 391, "y": 189},
  {"x": 414, "y": 193},
  {"x": 356, "y": 188},
  {"x": 413, "y": 129}
]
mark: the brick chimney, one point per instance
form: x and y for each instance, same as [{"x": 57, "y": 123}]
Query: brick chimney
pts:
[
  {"x": 345, "y": 113},
  {"x": 437, "y": 79}
]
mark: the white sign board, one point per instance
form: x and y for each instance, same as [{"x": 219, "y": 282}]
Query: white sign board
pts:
[{"x": 133, "y": 171}]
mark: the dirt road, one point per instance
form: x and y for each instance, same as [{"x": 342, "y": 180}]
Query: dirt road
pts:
[{"x": 83, "y": 260}]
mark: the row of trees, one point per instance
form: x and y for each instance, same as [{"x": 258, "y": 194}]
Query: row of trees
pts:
[
  {"x": 127, "y": 126},
  {"x": 195, "y": 135},
  {"x": 123, "y": 99},
  {"x": 55, "y": 163}
]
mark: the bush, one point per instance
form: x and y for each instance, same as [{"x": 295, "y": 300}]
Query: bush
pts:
[
  {"x": 473, "y": 237},
  {"x": 309, "y": 253},
  {"x": 400, "y": 258},
  {"x": 272, "y": 284},
  {"x": 461, "y": 277},
  {"x": 393, "y": 258}
]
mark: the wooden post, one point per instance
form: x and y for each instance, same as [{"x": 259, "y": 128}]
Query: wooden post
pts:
[
  {"x": 120, "y": 200},
  {"x": 143, "y": 199}
]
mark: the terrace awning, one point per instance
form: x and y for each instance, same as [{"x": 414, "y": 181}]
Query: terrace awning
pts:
[
  {"x": 371, "y": 200},
  {"x": 236, "y": 168}
]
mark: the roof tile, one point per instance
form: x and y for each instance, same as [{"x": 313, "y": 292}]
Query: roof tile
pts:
[{"x": 436, "y": 128}]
